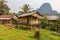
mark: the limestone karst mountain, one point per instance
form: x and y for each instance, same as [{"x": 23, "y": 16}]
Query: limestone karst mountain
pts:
[{"x": 46, "y": 9}]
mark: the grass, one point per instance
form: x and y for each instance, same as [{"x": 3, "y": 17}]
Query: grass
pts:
[
  {"x": 18, "y": 34},
  {"x": 47, "y": 35}
]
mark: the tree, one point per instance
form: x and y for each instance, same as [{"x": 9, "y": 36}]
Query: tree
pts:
[
  {"x": 25, "y": 9},
  {"x": 43, "y": 22},
  {"x": 4, "y": 9},
  {"x": 20, "y": 12},
  {"x": 58, "y": 23}
]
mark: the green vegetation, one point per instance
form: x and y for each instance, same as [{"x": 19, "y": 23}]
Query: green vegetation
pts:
[
  {"x": 47, "y": 35},
  {"x": 25, "y": 9},
  {"x": 54, "y": 25},
  {"x": 4, "y": 9},
  {"x": 18, "y": 34}
]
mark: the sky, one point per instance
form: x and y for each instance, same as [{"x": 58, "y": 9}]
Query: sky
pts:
[{"x": 15, "y": 5}]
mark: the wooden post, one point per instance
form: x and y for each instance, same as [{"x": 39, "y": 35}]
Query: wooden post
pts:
[{"x": 37, "y": 34}]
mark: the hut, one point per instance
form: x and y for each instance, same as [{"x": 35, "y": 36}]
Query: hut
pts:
[
  {"x": 52, "y": 18},
  {"x": 6, "y": 19},
  {"x": 30, "y": 18}
]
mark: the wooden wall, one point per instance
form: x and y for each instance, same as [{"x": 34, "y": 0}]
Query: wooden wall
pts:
[
  {"x": 6, "y": 21},
  {"x": 23, "y": 20},
  {"x": 33, "y": 21},
  {"x": 28, "y": 21}
]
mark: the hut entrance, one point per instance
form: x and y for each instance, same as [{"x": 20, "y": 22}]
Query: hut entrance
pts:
[{"x": 27, "y": 20}]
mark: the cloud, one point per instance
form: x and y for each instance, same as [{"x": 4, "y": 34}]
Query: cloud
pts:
[{"x": 15, "y": 4}]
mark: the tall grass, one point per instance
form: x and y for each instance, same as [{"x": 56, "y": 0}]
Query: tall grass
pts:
[{"x": 19, "y": 34}]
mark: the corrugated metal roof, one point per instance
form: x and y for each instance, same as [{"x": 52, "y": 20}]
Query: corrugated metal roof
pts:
[{"x": 6, "y": 16}]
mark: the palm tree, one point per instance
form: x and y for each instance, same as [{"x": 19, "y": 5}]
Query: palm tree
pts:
[{"x": 25, "y": 9}]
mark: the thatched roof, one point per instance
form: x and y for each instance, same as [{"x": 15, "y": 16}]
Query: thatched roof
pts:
[
  {"x": 27, "y": 14},
  {"x": 15, "y": 18}
]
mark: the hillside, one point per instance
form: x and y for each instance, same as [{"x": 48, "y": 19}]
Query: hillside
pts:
[{"x": 18, "y": 34}]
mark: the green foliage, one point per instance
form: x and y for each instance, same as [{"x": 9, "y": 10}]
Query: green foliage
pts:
[
  {"x": 4, "y": 9},
  {"x": 25, "y": 9},
  {"x": 20, "y": 12},
  {"x": 55, "y": 26},
  {"x": 43, "y": 23}
]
